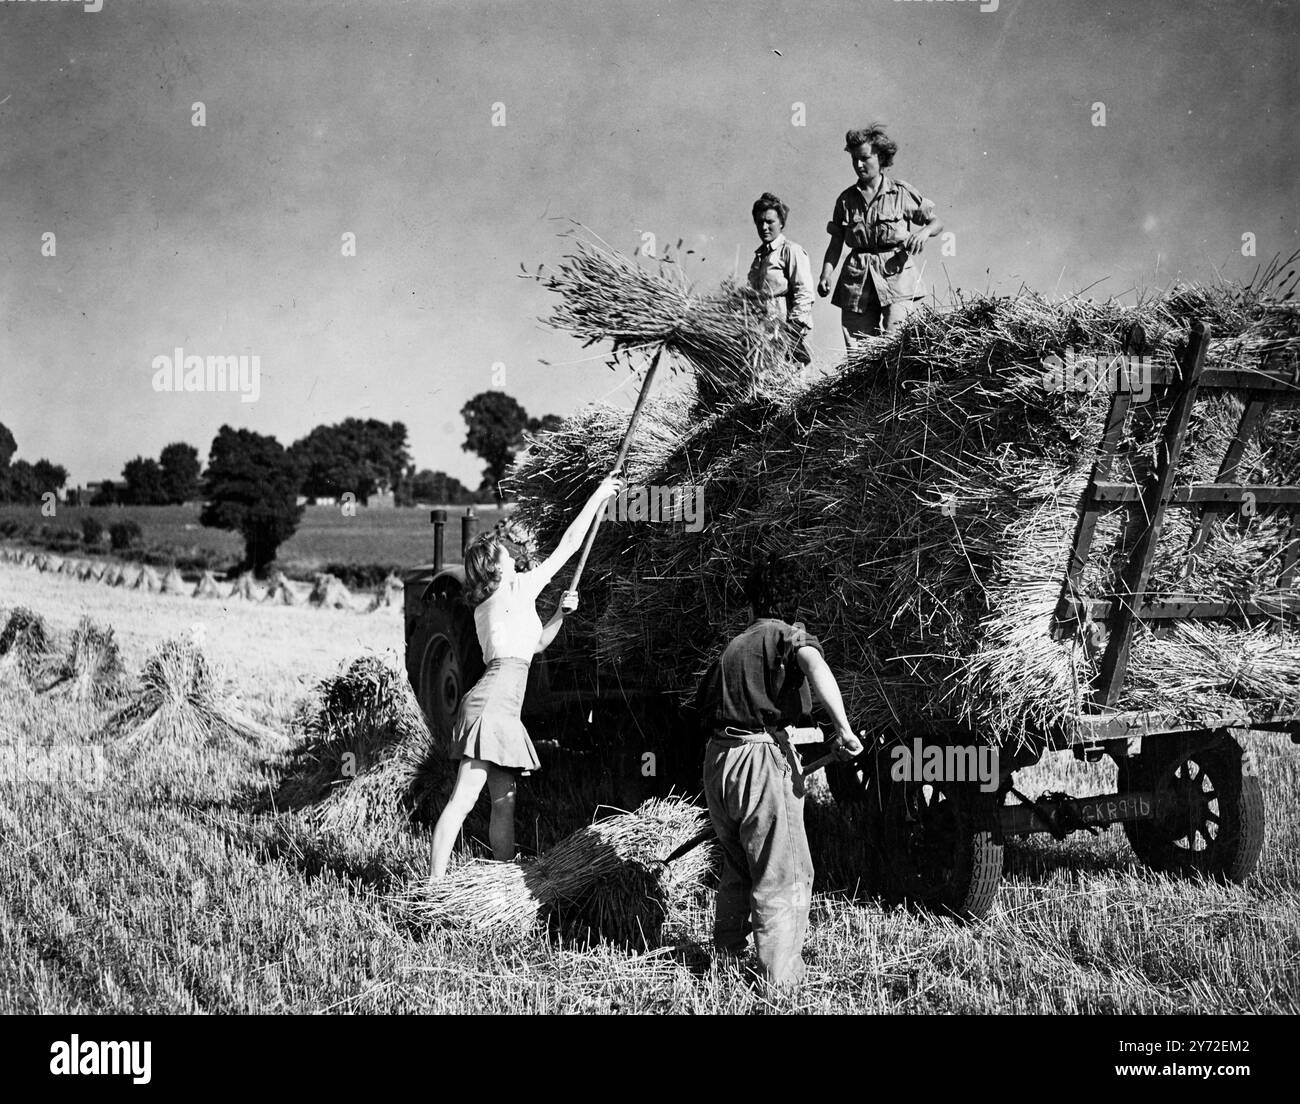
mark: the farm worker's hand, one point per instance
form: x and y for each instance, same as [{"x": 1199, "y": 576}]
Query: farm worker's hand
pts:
[
  {"x": 848, "y": 746},
  {"x": 916, "y": 241},
  {"x": 568, "y": 601},
  {"x": 610, "y": 486},
  {"x": 824, "y": 286}
]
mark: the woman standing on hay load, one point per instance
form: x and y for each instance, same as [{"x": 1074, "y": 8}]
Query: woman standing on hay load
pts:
[
  {"x": 883, "y": 222},
  {"x": 781, "y": 275},
  {"x": 489, "y": 738}
]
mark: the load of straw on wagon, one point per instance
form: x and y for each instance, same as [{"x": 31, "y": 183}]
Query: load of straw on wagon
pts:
[{"x": 934, "y": 480}]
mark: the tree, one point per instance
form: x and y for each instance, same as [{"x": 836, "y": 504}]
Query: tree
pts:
[
  {"x": 355, "y": 455},
  {"x": 8, "y": 446},
  {"x": 50, "y": 477},
  {"x": 25, "y": 483},
  {"x": 20, "y": 483},
  {"x": 106, "y": 495},
  {"x": 180, "y": 472},
  {"x": 545, "y": 424},
  {"x": 144, "y": 483},
  {"x": 251, "y": 487},
  {"x": 439, "y": 489},
  {"x": 496, "y": 432}
]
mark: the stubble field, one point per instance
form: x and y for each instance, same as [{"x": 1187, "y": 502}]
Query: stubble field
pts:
[{"x": 190, "y": 892}]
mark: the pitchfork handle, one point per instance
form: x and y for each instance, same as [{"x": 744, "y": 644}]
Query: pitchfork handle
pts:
[{"x": 618, "y": 463}]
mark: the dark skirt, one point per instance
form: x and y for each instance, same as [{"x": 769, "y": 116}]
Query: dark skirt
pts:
[{"x": 488, "y": 725}]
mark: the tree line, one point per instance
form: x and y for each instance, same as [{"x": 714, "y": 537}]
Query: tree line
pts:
[{"x": 252, "y": 483}]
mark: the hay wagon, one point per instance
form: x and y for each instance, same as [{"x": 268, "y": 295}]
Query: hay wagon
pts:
[{"x": 1187, "y": 794}]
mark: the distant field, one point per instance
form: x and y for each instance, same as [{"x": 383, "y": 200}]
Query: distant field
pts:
[{"x": 325, "y": 535}]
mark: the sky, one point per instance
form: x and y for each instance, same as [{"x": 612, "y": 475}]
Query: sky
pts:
[{"x": 376, "y": 118}]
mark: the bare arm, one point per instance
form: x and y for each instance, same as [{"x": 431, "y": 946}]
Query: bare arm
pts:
[
  {"x": 827, "y": 690},
  {"x": 916, "y": 240},
  {"x": 577, "y": 530},
  {"x": 832, "y": 258},
  {"x": 924, "y": 217},
  {"x": 550, "y": 631}
]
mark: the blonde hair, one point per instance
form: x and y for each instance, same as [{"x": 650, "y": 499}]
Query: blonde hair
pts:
[{"x": 482, "y": 572}]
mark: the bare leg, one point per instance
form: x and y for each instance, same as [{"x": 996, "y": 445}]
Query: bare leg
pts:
[
  {"x": 896, "y": 314},
  {"x": 469, "y": 784},
  {"x": 501, "y": 828}
]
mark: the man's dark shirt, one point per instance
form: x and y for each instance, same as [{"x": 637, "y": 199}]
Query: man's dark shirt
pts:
[{"x": 755, "y": 683}]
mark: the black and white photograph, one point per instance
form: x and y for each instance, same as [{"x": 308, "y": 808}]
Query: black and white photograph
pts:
[{"x": 650, "y": 509}]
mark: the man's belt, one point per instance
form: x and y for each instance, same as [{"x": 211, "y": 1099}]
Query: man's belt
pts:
[{"x": 784, "y": 739}]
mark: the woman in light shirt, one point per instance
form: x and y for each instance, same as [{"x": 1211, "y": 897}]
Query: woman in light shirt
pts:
[
  {"x": 781, "y": 275},
  {"x": 489, "y": 737}
]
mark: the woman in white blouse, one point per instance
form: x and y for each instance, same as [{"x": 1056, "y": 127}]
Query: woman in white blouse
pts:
[{"x": 489, "y": 738}]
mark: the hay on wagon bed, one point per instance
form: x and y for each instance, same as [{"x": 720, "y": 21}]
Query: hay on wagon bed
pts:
[
  {"x": 91, "y": 669},
  {"x": 367, "y": 760},
  {"x": 329, "y": 593},
  {"x": 932, "y": 484},
  {"x": 26, "y": 646},
  {"x": 604, "y": 879},
  {"x": 245, "y": 588},
  {"x": 183, "y": 705},
  {"x": 206, "y": 587}
]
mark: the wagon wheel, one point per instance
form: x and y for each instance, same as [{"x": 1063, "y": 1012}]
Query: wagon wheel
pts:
[
  {"x": 446, "y": 660},
  {"x": 939, "y": 846},
  {"x": 1211, "y": 818}
]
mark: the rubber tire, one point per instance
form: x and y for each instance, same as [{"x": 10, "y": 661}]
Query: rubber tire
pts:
[
  {"x": 1234, "y": 853},
  {"x": 443, "y": 661},
  {"x": 970, "y": 842}
]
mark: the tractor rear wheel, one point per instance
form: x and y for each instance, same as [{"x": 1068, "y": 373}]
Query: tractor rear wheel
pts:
[
  {"x": 445, "y": 662},
  {"x": 1211, "y": 812}
]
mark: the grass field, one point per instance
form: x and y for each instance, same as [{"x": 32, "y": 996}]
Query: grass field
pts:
[
  {"x": 325, "y": 535},
  {"x": 189, "y": 893}
]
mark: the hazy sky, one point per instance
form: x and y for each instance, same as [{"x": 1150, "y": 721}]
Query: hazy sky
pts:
[{"x": 374, "y": 117}]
